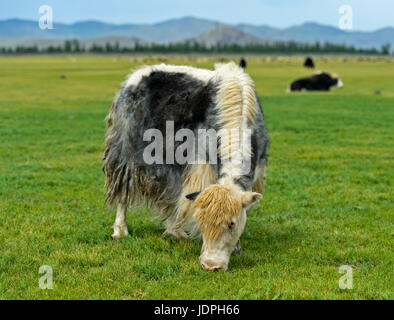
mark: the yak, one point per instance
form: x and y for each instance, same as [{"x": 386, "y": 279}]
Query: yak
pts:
[
  {"x": 200, "y": 187},
  {"x": 320, "y": 81}
]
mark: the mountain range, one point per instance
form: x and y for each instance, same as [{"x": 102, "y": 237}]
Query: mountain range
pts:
[{"x": 17, "y": 31}]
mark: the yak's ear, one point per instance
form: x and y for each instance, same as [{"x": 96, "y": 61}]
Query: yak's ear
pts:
[
  {"x": 192, "y": 196},
  {"x": 249, "y": 198}
]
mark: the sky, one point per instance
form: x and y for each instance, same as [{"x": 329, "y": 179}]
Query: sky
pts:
[{"x": 367, "y": 14}]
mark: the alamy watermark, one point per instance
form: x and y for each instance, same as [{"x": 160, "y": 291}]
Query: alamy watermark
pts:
[
  {"x": 46, "y": 281},
  {"x": 346, "y": 19},
  {"x": 46, "y": 19},
  {"x": 203, "y": 146},
  {"x": 346, "y": 281}
]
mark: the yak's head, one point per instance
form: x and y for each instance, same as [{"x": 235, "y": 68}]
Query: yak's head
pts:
[
  {"x": 337, "y": 80},
  {"x": 221, "y": 214}
]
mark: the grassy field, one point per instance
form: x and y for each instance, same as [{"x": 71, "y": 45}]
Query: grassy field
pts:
[{"x": 328, "y": 201}]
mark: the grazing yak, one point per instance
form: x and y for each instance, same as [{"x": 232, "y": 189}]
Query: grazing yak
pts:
[
  {"x": 320, "y": 81},
  {"x": 155, "y": 119}
]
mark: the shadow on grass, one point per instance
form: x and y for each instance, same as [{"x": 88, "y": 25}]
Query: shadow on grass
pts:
[{"x": 266, "y": 245}]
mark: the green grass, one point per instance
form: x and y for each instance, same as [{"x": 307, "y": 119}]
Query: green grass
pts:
[{"x": 328, "y": 201}]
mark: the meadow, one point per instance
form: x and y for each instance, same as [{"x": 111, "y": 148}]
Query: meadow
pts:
[{"x": 328, "y": 199}]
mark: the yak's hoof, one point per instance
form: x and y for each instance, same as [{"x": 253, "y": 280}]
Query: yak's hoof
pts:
[{"x": 120, "y": 231}]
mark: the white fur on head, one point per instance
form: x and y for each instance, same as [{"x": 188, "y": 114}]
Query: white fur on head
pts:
[{"x": 339, "y": 81}]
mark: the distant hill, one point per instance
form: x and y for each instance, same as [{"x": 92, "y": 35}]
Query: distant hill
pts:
[
  {"x": 312, "y": 32},
  {"x": 226, "y": 35},
  {"x": 167, "y": 31},
  {"x": 201, "y": 30}
]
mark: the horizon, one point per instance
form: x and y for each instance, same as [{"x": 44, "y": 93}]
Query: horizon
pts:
[{"x": 274, "y": 13}]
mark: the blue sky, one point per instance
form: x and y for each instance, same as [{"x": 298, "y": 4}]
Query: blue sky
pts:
[{"x": 367, "y": 14}]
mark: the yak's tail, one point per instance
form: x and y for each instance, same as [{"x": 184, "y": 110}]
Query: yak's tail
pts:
[{"x": 117, "y": 173}]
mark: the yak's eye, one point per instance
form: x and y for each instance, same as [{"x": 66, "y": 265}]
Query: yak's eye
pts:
[{"x": 231, "y": 224}]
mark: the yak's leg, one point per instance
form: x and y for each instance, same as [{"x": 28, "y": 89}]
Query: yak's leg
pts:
[
  {"x": 259, "y": 184},
  {"x": 172, "y": 230},
  {"x": 120, "y": 225},
  {"x": 237, "y": 248}
]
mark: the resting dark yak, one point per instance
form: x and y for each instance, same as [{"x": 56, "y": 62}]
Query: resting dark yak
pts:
[
  {"x": 320, "y": 81},
  {"x": 207, "y": 197}
]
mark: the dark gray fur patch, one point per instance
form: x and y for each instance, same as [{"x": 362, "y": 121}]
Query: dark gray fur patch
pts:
[{"x": 158, "y": 98}]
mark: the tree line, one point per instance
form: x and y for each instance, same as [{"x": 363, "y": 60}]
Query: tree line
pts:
[{"x": 291, "y": 47}]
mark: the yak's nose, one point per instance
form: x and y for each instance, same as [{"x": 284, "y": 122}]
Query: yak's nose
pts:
[{"x": 209, "y": 267}]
